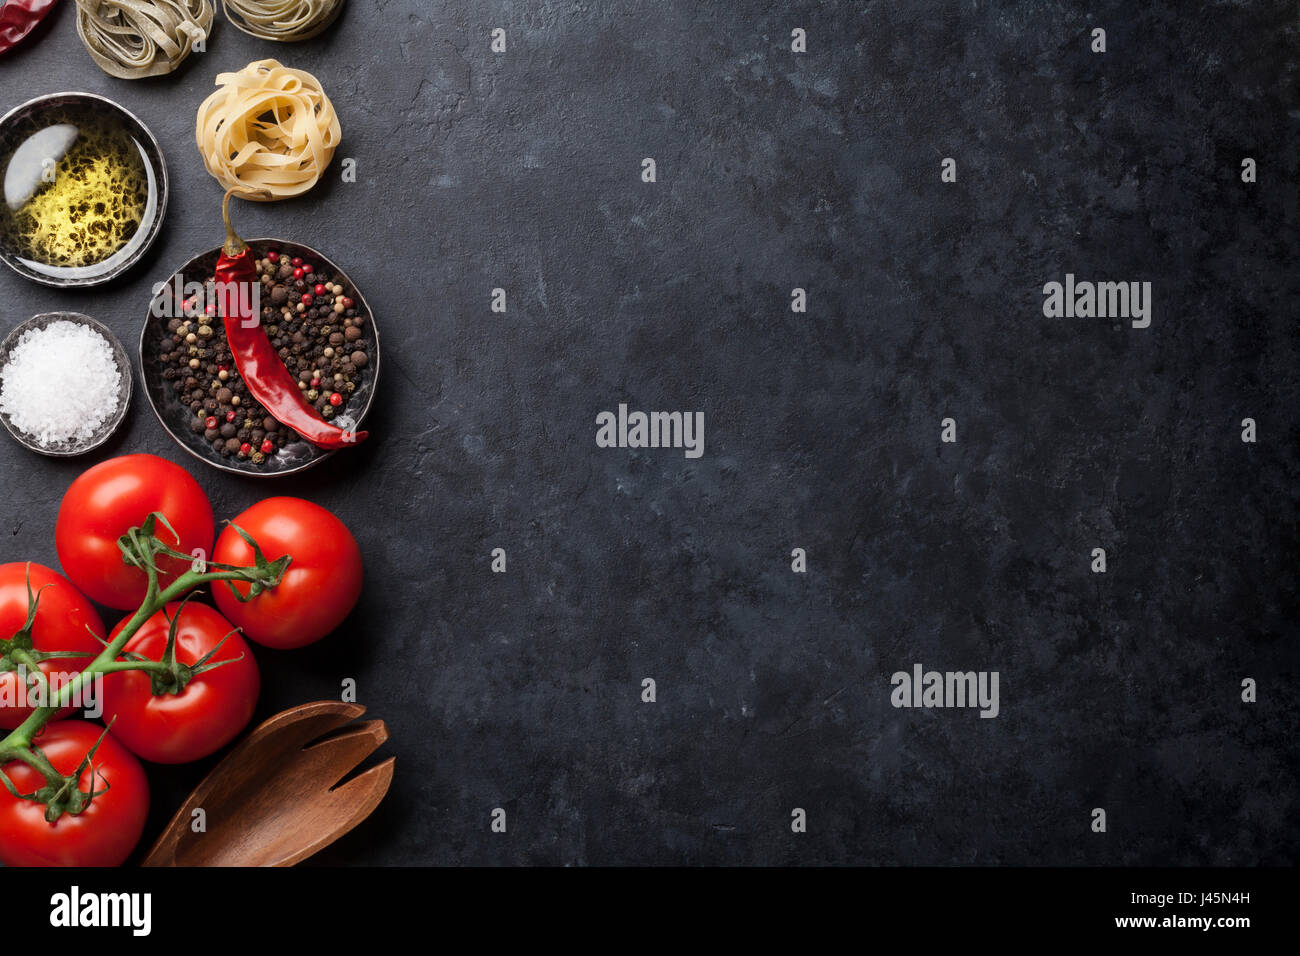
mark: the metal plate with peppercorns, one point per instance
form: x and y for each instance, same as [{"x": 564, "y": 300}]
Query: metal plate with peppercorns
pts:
[{"x": 318, "y": 322}]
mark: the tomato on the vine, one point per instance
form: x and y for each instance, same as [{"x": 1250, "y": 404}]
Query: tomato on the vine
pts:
[
  {"x": 321, "y": 586},
  {"x": 114, "y": 496},
  {"x": 65, "y": 621},
  {"x": 105, "y": 832},
  {"x": 208, "y": 712}
]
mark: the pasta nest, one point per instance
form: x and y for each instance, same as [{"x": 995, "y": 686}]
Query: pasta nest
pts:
[
  {"x": 283, "y": 20},
  {"x": 268, "y": 131},
  {"x": 135, "y": 38}
]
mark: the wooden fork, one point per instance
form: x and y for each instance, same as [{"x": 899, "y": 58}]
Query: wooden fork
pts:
[{"x": 275, "y": 799}]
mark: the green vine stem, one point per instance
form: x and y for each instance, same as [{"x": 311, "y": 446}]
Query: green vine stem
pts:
[{"x": 141, "y": 548}]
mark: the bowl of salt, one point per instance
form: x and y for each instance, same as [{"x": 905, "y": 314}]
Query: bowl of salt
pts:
[{"x": 65, "y": 384}]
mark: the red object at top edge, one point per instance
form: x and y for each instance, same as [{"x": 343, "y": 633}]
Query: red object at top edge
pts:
[{"x": 18, "y": 18}]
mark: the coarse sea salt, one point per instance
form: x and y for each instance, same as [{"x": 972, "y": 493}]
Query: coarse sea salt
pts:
[{"x": 60, "y": 383}]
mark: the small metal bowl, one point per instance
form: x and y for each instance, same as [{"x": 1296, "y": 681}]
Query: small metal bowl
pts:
[
  {"x": 176, "y": 416},
  {"x": 24, "y": 120},
  {"x": 105, "y": 431}
]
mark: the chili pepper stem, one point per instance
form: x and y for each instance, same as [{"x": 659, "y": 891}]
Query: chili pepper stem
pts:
[{"x": 234, "y": 245}]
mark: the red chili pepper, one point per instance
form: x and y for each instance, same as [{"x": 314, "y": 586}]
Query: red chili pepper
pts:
[
  {"x": 256, "y": 359},
  {"x": 18, "y": 18}
]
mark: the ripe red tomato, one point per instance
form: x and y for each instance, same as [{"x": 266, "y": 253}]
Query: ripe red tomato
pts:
[
  {"x": 105, "y": 832},
  {"x": 318, "y": 591},
  {"x": 213, "y": 707},
  {"x": 114, "y": 496},
  {"x": 65, "y": 621}
]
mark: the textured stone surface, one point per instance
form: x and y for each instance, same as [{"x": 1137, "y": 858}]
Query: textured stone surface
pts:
[{"x": 778, "y": 170}]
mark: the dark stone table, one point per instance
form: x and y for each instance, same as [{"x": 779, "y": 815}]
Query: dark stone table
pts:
[{"x": 778, "y": 170}]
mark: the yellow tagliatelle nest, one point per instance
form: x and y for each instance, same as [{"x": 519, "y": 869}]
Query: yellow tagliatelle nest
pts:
[{"x": 268, "y": 132}]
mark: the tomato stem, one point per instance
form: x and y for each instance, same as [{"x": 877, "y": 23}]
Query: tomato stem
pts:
[
  {"x": 140, "y": 548},
  {"x": 152, "y": 605},
  {"x": 26, "y": 659},
  {"x": 149, "y": 667},
  {"x": 38, "y": 761}
]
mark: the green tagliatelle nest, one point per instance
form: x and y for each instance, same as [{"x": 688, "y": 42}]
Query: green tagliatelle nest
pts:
[
  {"x": 135, "y": 38},
  {"x": 283, "y": 20}
]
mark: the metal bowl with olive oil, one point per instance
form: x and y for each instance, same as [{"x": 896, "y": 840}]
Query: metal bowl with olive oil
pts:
[{"x": 85, "y": 189}]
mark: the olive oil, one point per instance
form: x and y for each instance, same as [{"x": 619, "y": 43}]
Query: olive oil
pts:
[{"x": 77, "y": 190}]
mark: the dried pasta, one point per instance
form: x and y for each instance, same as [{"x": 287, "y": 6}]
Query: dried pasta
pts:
[
  {"x": 267, "y": 132},
  {"x": 283, "y": 20},
  {"x": 135, "y": 38}
]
